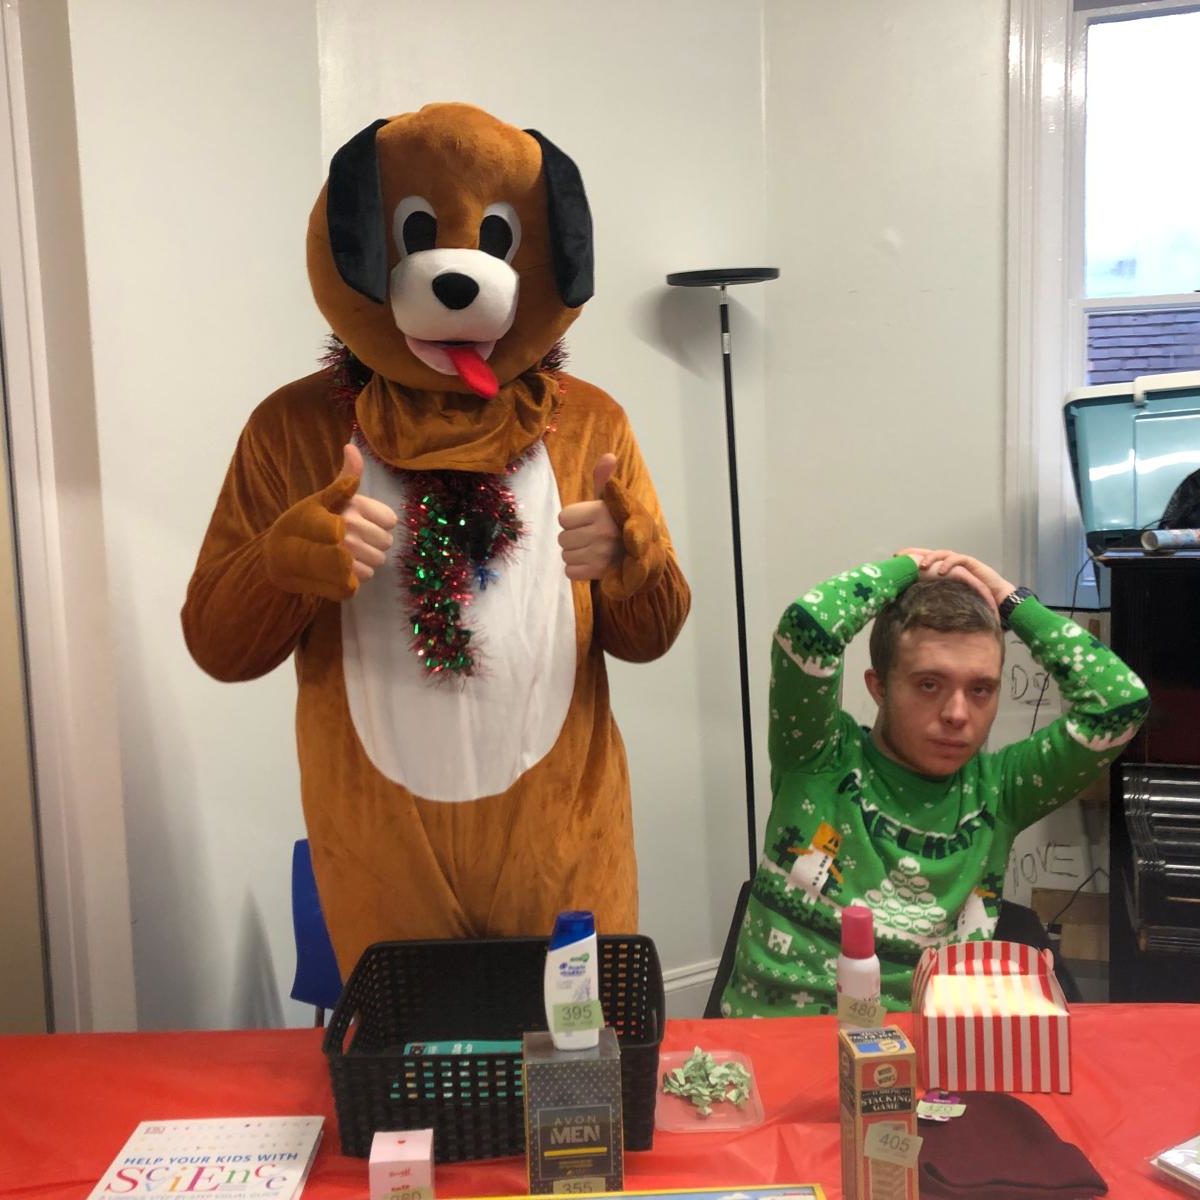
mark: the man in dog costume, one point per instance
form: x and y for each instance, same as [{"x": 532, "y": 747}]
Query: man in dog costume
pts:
[{"x": 449, "y": 533}]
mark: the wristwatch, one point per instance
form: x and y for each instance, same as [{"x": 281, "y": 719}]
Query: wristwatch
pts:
[{"x": 1010, "y": 602}]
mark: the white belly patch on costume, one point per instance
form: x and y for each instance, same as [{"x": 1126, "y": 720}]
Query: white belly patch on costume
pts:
[{"x": 465, "y": 738}]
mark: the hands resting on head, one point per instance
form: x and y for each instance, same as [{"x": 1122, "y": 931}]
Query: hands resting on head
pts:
[{"x": 949, "y": 564}]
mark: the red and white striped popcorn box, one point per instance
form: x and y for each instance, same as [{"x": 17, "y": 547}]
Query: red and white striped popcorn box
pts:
[{"x": 991, "y": 1017}]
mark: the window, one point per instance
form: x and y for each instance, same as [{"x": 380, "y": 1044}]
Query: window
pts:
[
  {"x": 1104, "y": 243},
  {"x": 1141, "y": 181},
  {"x": 1141, "y": 170}
]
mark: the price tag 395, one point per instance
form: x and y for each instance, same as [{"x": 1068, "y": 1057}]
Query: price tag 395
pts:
[
  {"x": 578, "y": 1016},
  {"x": 892, "y": 1145}
]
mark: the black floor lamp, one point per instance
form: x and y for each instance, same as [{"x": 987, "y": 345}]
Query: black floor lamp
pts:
[{"x": 723, "y": 279}]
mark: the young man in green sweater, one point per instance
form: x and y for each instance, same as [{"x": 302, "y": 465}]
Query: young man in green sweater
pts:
[{"x": 911, "y": 818}]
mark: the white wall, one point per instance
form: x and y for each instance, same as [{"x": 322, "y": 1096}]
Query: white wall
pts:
[
  {"x": 859, "y": 147},
  {"x": 885, "y": 348},
  {"x": 199, "y": 148}
]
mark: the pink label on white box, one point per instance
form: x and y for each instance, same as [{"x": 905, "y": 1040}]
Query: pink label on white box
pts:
[{"x": 401, "y": 1164}]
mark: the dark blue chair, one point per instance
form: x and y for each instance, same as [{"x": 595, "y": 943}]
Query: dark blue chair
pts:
[{"x": 317, "y": 979}]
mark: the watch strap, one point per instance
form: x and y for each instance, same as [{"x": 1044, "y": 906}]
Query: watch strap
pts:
[{"x": 1010, "y": 602}]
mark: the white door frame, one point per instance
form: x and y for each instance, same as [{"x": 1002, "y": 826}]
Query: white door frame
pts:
[{"x": 60, "y": 535}]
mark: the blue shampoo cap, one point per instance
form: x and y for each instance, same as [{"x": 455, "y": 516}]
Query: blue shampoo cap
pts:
[{"x": 571, "y": 927}]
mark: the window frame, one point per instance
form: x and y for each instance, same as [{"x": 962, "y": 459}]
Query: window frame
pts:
[{"x": 1047, "y": 309}]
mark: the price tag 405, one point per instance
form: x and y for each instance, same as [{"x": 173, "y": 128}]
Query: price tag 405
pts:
[{"x": 889, "y": 1144}]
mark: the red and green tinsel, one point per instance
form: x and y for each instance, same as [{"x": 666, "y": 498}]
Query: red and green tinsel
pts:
[{"x": 457, "y": 524}]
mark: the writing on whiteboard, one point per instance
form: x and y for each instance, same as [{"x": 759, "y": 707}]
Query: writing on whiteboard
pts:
[
  {"x": 1026, "y": 684},
  {"x": 1050, "y": 864}
]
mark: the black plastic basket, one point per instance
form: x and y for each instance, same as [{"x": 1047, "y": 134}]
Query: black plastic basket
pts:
[{"x": 482, "y": 990}]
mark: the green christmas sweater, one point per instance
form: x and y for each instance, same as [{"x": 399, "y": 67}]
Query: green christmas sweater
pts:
[{"x": 850, "y": 825}]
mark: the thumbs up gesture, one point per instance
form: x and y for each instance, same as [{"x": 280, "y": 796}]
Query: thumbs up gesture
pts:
[
  {"x": 330, "y": 542},
  {"x": 590, "y": 538},
  {"x": 366, "y": 524}
]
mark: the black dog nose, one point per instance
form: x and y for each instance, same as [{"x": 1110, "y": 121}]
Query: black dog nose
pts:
[{"x": 455, "y": 290}]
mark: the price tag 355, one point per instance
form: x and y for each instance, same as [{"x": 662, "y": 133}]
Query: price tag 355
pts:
[{"x": 888, "y": 1144}]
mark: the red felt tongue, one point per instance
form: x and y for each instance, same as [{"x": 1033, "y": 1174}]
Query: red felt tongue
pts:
[{"x": 473, "y": 371}]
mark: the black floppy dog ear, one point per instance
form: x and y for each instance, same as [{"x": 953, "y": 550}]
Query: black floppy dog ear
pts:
[
  {"x": 354, "y": 211},
  {"x": 570, "y": 224}
]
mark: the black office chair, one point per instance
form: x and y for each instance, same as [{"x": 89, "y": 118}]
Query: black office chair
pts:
[
  {"x": 725, "y": 966},
  {"x": 1016, "y": 923}
]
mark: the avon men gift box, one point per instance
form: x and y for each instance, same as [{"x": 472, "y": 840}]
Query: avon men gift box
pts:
[{"x": 573, "y": 1131}]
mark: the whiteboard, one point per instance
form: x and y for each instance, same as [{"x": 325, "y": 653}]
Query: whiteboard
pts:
[{"x": 1064, "y": 848}]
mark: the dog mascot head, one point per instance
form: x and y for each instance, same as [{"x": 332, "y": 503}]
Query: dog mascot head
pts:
[{"x": 450, "y": 251}]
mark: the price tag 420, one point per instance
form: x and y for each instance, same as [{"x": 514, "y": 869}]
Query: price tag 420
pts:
[
  {"x": 937, "y": 1110},
  {"x": 887, "y": 1144}
]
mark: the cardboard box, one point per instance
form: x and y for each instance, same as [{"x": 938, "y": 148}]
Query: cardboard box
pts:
[
  {"x": 401, "y": 1165},
  {"x": 877, "y": 1083},
  {"x": 574, "y": 1140},
  {"x": 991, "y": 1017},
  {"x": 1084, "y": 924}
]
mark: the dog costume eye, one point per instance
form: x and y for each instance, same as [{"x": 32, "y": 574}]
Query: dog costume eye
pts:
[
  {"x": 500, "y": 231},
  {"x": 414, "y": 225}
]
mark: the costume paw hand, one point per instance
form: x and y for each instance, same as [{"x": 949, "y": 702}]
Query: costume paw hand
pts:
[
  {"x": 591, "y": 540},
  {"x": 328, "y": 543}
]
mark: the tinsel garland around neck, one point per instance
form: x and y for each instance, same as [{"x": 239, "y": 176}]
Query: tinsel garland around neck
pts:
[{"x": 456, "y": 526}]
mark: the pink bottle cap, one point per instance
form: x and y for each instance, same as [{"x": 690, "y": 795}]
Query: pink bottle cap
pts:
[{"x": 858, "y": 931}]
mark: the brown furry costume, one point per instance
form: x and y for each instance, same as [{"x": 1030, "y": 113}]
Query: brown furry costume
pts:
[{"x": 391, "y": 860}]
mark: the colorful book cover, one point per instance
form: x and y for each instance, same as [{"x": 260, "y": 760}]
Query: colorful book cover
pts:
[{"x": 231, "y": 1158}]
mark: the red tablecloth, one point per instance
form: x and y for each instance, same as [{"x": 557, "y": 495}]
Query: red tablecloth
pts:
[{"x": 68, "y": 1102}]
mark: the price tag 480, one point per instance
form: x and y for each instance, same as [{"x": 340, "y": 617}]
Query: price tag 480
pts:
[
  {"x": 888, "y": 1144},
  {"x": 866, "y": 1014}
]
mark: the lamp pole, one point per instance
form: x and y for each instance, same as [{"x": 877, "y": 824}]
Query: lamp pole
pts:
[{"x": 723, "y": 279}]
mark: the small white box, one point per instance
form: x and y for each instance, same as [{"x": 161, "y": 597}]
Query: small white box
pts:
[{"x": 401, "y": 1166}]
